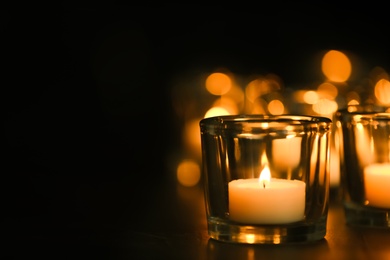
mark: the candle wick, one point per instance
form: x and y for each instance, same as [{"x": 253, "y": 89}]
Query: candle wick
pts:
[{"x": 264, "y": 184}]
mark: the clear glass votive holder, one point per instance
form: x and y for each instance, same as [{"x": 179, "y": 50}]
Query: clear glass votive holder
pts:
[
  {"x": 364, "y": 144},
  {"x": 266, "y": 177}
]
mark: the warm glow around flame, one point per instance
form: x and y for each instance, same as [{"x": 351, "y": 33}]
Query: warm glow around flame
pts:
[{"x": 265, "y": 177}]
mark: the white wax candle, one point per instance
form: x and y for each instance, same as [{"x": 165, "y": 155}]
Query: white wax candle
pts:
[
  {"x": 280, "y": 201},
  {"x": 377, "y": 184}
]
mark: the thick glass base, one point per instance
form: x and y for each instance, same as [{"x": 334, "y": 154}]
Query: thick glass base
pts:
[
  {"x": 359, "y": 215},
  {"x": 300, "y": 232}
]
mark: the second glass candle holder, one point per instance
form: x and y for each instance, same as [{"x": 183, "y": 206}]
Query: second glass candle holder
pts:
[{"x": 363, "y": 133}]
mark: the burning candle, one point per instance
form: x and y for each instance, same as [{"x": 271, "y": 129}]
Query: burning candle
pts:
[
  {"x": 266, "y": 200},
  {"x": 377, "y": 184}
]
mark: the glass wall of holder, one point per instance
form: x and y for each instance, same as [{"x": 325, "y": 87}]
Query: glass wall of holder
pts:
[
  {"x": 266, "y": 178},
  {"x": 364, "y": 144}
]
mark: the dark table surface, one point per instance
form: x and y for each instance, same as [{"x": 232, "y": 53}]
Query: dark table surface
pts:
[{"x": 115, "y": 220}]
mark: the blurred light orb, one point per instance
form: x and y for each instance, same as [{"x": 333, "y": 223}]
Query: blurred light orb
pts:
[
  {"x": 353, "y": 102},
  {"x": 258, "y": 107},
  {"x": 218, "y": 83},
  {"x": 227, "y": 103},
  {"x": 382, "y": 91},
  {"x": 276, "y": 107},
  {"x": 336, "y": 66},
  {"x": 216, "y": 111},
  {"x": 256, "y": 88},
  {"x": 261, "y": 86},
  {"x": 310, "y": 97},
  {"x": 325, "y": 107},
  {"x": 299, "y": 96},
  {"x": 327, "y": 90},
  {"x": 236, "y": 93},
  {"x": 188, "y": 173},
  {"x": 353, "y": 98}
]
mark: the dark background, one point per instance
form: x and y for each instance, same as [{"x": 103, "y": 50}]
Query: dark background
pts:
[{"x": 86, "y": 104}]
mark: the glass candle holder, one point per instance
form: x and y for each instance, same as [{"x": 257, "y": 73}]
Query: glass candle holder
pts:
[
  {"x": 364, "y": 144},
  {"x": 266, "y": 178}
]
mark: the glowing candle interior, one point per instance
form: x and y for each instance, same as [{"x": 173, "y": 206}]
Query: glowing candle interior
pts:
[
  {"x": 282, "y": 155},
  {"x": 266, "y": 200},
  {"x": 377, "y": 185}
]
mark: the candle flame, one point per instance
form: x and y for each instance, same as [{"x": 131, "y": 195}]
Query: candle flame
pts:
[{"x": 265, "y": 177}]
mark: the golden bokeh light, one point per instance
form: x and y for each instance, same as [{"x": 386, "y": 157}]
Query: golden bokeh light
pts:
[
  {"x": 261, "y": 86},
  {"x": 353, "y": 102},
  {"x": 353, "y": 98},
  {"x": 218, "y": 83},
  {"x": 258, "y": 107},
  {"x": 188, "y": 173},
  {"x": 237, "y": 95},
  {"x": 336, "y": 66},
  {"x": 325, "y": 107},
  {"x": 382, "y": 91},
  {"x": 276, "y": 107},
  {"x": 327, "y": 90},
  {"x": 298, "y": 96},
  {"x": 228, "y": 104},
  {"x": 310, "y": 97},
  {"x": 216, "y": 111},
  {"x": 254, "y": 89}
]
